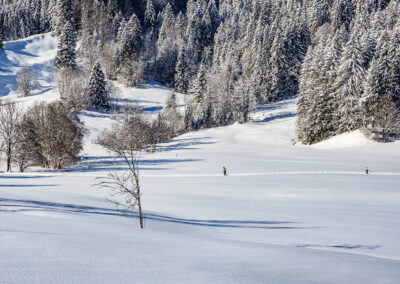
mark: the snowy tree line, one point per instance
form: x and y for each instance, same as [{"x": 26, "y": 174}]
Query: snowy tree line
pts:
[
  {"x": 24, "y": 18},
  {"x": 230, "y": 54},
  {"x": 350, "y": 77}
]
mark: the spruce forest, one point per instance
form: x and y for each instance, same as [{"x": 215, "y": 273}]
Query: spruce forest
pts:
[{"x": 341, "y": 57}]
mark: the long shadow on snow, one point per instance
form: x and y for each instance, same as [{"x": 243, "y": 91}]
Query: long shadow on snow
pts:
[
  {"x": 7, "y": 84},
  {"x": 97, "y": 164},
  {"x": 22, "y": 205},
  {"x": 22, "y": 176},
  {"x": 344, "y": 246},
  {"x": 27, "y": 185},
  {"x": 281, "y": 115},
  {"x": 96, "y": 113},
  {"x": 184, "y": 144},
  {"x": 276, "y": 105},
  {"x": 132, "y": 101}
]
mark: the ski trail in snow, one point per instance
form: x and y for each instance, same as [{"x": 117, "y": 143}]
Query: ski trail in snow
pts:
[
  {"x": 280, "y": 173},
  {"x": 272, "y": 173}
]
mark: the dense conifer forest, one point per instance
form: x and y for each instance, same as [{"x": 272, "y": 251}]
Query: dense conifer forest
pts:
[{"x": 341, "y": 57}]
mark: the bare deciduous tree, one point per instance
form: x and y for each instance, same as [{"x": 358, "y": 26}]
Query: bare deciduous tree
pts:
[
  {"x": 130, "y": 135},
  {"x": 10, "y": 115},
  {"x": 72, "y": 87},
  {"x": 27, "y": 81},
  {"x": 50, "y": 136},
  {"x": 127, "y": 183}
]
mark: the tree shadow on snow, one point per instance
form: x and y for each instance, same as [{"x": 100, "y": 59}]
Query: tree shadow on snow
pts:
[
  {"x": 184, "y": 144},
  {"x": 7, "y": 176},
  {"x": 277, "y": 116},
  {"x": 27, "y": 185},
  {"x": 98, "y": 164},
  {"x": 343, "y": 246},
  {"x": 22, "y": 205}
]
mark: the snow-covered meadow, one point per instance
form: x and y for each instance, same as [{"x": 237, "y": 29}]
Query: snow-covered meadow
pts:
[{"x": 286, "y": 213}]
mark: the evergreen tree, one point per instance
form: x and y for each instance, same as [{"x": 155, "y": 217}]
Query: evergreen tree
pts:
[
  {"x": 116, "y": 23},
  {"x": 167, "y": 48},
  {"x": 171, "y": 103},
  {"x": 129, "y": 40},
  {"x": 150, "y": 14},
  {"x": 206, "y": 113},
  {"x": 348, "y": 86},
  {"x": 188, "y": 118},
  {"x": 97, "y": 93},
  {"x": 171, "y": 113},
  {"x": 343, "y": 13},
  {"x": 198, "y": 86},
  {"x": 317, "y": 106},
  {"x": 66, "y": 55},
  {"x": 181, "y": 72},
  {"x": 64, "y": 13}
]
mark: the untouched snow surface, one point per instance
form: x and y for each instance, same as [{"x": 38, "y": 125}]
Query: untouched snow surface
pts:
[{"x": 285, "y": 214}]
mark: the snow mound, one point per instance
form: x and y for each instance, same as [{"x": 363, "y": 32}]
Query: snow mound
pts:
[{"x": 346, "y": 140}]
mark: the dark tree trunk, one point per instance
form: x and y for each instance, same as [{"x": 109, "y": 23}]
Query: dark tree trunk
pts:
[
  {"x": 140, "y": 212},
  {"x": 8, "y": 164}
]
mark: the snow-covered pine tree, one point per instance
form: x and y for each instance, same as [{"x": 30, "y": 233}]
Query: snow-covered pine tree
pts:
[
  {"x": 379, "y": 101},
  {"x": 206, "y": 113},
  {"x": 129, "y": 40},
  {"x": 167, "y": 48},
  {"x": 171, "y": 113},
  {"x": 64, "y": 13},
  {"x": 171, "y": 102},
  {"x": 381, "y": 113},
  {"x": 394, "y": 56},
  {"x": 319, "y": 13},
  {"x": 181, "y": 72},
  {"x": 199, "y": 84},
  {"x": 214, "y": 15},
  {"x": 188, "y": 118},
  {"x": 128, "y": 51},
  {"x": 96, "y": 91},
  {"x": 317, "y": 106},
  {"x": 243, "y": 101},
  {"x": 342, "y": 14},
  {"x": 116, "y": 23},
  {"x": 348, "y": 86},
  {"x": 66, "y": 54},
  {"x": 149, "y": 14}
]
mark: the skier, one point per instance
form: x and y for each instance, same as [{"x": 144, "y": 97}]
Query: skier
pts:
[
  {"x": 366, "y": 170},
  {"x": 224, "y": 170}
]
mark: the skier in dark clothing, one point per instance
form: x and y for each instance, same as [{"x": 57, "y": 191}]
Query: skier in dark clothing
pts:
[
  {"x": 366, "y": 170},
  {"x": 224, "y": 170}
]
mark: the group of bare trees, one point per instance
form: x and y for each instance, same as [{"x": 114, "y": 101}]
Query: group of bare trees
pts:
[
  {"x": 45, "y": 135},
  {"x": 27, "y": 81}
]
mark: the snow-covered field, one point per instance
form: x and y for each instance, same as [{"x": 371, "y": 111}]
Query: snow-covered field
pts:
[{"x": 286, "y": 213}]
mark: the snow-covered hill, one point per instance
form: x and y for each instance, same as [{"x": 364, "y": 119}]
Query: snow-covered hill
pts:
[
  {"x": 286, "y": 213},
  {"x": 35, "y": 52}
]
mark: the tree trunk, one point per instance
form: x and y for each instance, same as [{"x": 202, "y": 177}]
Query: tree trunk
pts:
[
  {"x": 8, "y": 164},
  {"x": 140, "y": 213}
]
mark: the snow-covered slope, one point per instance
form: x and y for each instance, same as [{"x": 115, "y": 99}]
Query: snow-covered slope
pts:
[
  {"x": 35, "y": 52},
  {"x": 285, "y": 214}
]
